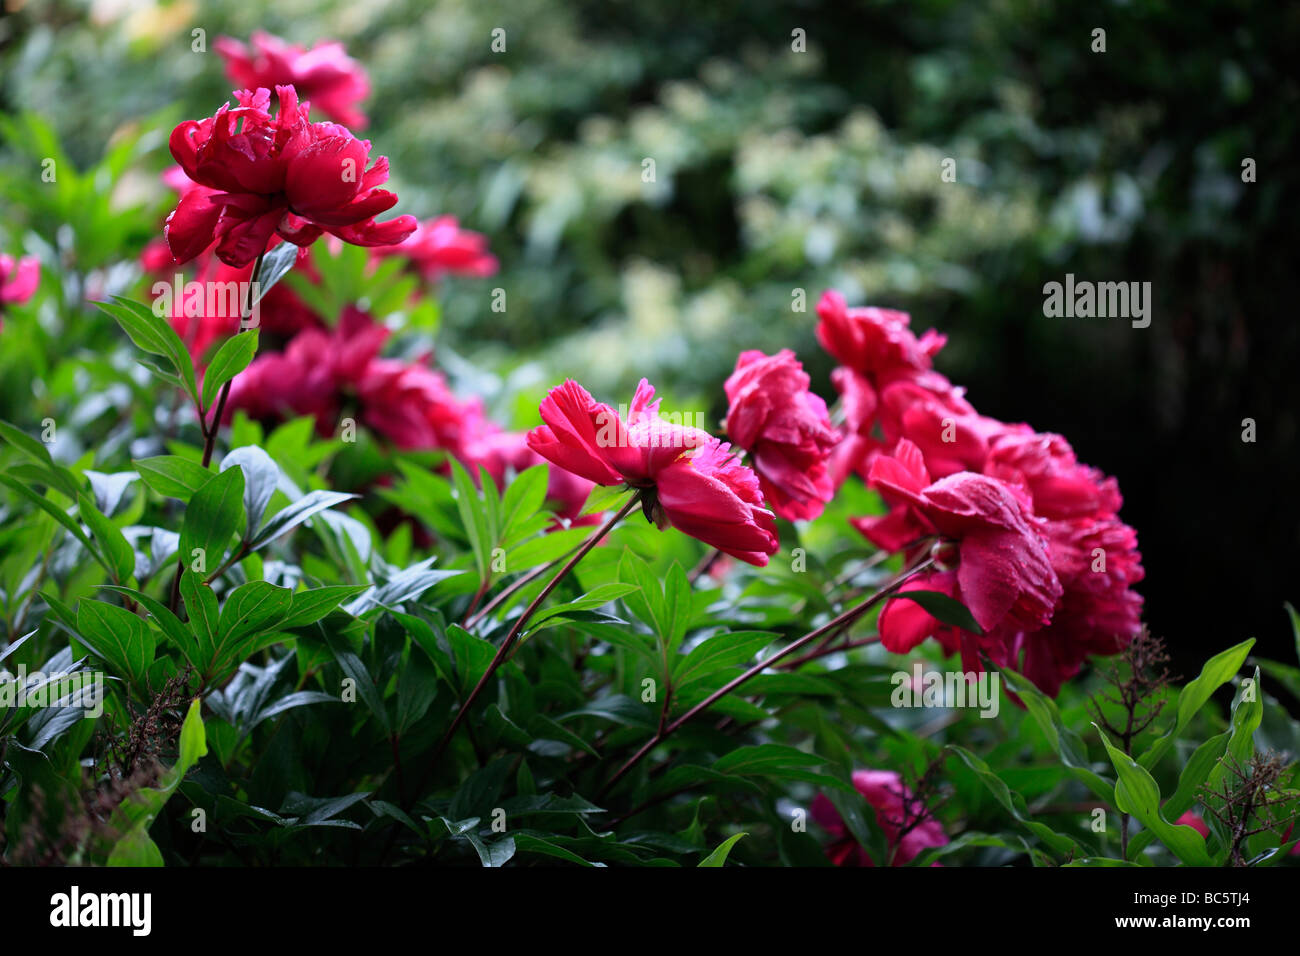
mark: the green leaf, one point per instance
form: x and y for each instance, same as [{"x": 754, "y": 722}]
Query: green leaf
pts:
[
  {"x": 524, "y": 497},
  {"x": 406, "y": 585},
  {"x": 728, "y": 649},
  {"x": 762, "y": 757},
  {"x": 528, "y": 843},
  {"x": 296, "y": 513},
  {"x": 213, "y": 516},
  {"x": 678, "y": 607},
  {"x": 597, "y": 597},
  {"x": 472, "y": 655},
  {"x": 943, "y": 608},
  {"x": 53, "y": 473},
  {"x": 310, "y": 606},
  {"x": 172, "y": 476},
  {"x": 473, "y": 517},
  {"x": 275, "y": 265},
  {"x": 649, "y": 606},
  {"x": 201, "y": 604},
  {"x": 232, "y": 358},
  {"x": 154, "y": 334},
  {"x": 119, "y": 556},
  {"x": 1065, "y": 742},
  {"x": 1014, "y": 804},
  {"x": 1137, "y": 793},
  {"x": 1195, "y": 773},
  {"x": 1218, "y": 670},
  {"x": 261, "y": 476},
  {"x": 57, "y": 513},
  {"x": 251, "y": 609},
  {"x": 356, "y": 670},
  {"x": 1247, "y": 714},
  {"x": 719, "y": 856},
  {"x": 118, "y": 637},
  {"x": 171, "y": 626}
]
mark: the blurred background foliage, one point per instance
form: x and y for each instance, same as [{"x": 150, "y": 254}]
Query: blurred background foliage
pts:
[{"x": 778, "y": 171}]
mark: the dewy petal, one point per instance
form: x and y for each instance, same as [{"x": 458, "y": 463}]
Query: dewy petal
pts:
[
  {"x": 371, "y": 233},
  {"x": 577, "y": 424},
  {"x": 1003, "y": 569},
  {"x": 184, "y": 143},
  {"x": 571, "y": 458},
  {"x": 244, "y": 241},
  {"x": 325, "y": 176},
  {"x": 905, "y": 624},
  {"x": 902, "y": 476},
  {"x": 192, "y": 225},
  {"x": 357, "y": 211}
]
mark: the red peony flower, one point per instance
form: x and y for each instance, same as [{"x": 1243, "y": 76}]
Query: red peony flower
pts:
[
  {"x": 281, "y": 175},
  {"x": 439, "y": 247},
  {"x": 786, "y": 429},
  {"x": 890, "y": 392},
  {"x": 1097, "y": 562},
  {"x": 875, "y": 343},
  {"x": 325, "y": 74},
  {"x": 18, "y": 279},
  {"x": 908, "y": 827},
  {"x": 687, "y": 477},
  {"x": 319, "y": 372},
  {"x": 412, "y": 406},
  {"x": 1046, "y": 467},
  {"x": 1003, "y": 576}
]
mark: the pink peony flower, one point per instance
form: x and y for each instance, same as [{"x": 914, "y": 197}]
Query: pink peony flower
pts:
[
  {"x": 786, "y": 429},
  {"x": 18, "y": 279},
  {"x": 1004, "y": 575},
  {"x": 687, "y": 477},
  {"x": 440, "y": 247},
  {"x": 325, "y": 74},
  {"x": 907, "y": 825}
]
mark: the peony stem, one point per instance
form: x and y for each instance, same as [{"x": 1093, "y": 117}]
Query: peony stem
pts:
[
  {"x": 225, "y": 389},
  {"x": 210, "y": 431},
  {"x": 845, "y": 619},
  {"x": 503, "y": 652}
]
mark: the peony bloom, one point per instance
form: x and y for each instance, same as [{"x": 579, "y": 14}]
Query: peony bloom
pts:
[
  {"x": 412, "y": 406},
  {"x": 18, "y": 279},
  {"x": 1003, "y": 575},
  {"x": 1046, "y": 467},
  {"x": 325, "y": 74},
  {"x": 275, "y": 176},
  {"x": 786, "y": 429},
  {"x": 440, "y": 247},
  {"x": 908, "y": 827},
  {"x": 890, "y": 391},
  {"x": 1193, "y": 819},
  {"x": 875, "y": 343},
  {"x": 319, "y": 373},
  {"x": 687, "y": 478},
  {"x": 1097, "y": 562}
]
